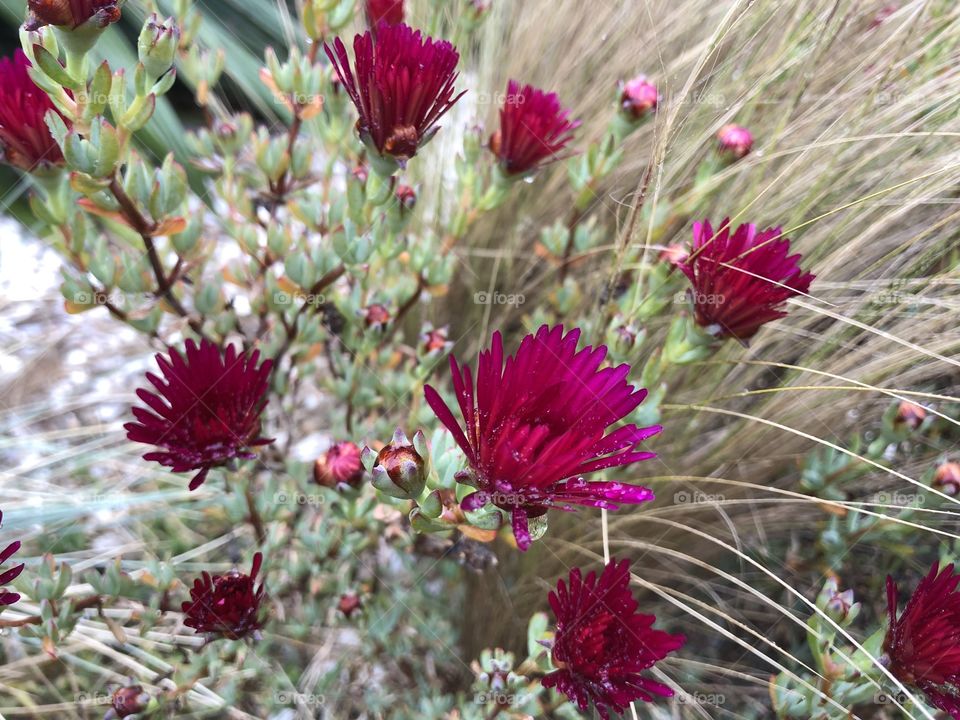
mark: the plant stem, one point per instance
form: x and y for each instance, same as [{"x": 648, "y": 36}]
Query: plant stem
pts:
[
  {"x": 254, "y": 515},
  {"x": 145, "y": 229},
  {"x": 291, "y": 328},
  {"x": 407, "y": 306},
  {"x": 283, "y": 185}
]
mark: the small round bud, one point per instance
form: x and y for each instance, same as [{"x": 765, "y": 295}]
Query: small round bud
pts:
[
  {"x": 339, "y": 466},
  {"x": 947, "y": 478},
  {"x": 435, "y": 340},
  {"x": 734, "y": 142},
  {"x": 910, "y": 414},
  {"x": 477, "y": 10},
  {"x": 638, "y": 98},
  {"x": 625, "y": 336},
  {"x": 349, "y": 603},
  {"x": 399, "y": 470},
  {"x": 69, "y": 15},
  {"x": 407, "y": 197},
  {"x": 674, "y": 254},
  {"x": 359, "y": 174},
  {"x": 127, "y": 701},
  {"x": 376, "y": 316},
  {"x": 157, "y": 45}
]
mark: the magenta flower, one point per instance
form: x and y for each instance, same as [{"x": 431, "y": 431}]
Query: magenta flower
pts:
[
  {"x": 922, "y": 646},
  {"x": 602, "y": 645},
  {"x": 388, "y": 11},
  {"x": 25, "y": 140},
  {"x": 734, "y": 142},
  {"x": 403, "y": 84},
  {"x": 535, "y": 426},
  {"x": 206, "y": 411},
  {"x": 71, "y": 14},
  {"x": 741, "y": 280},
  {"x": 534, "y": 129},
  {"x": 226, "y": 605},
  {"x": 6, "y": 576}
]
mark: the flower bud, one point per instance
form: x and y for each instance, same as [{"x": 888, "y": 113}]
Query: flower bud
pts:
[
  {"x": 376, "y": 316},
  {"x": 127, "y": 701},
  {"x": 400, "y": 471},
  {"x": 349, "y": 603},
  {"x": 947, "y": 478},
  {"x": 435, "y": 340},
  {"x": 674, "y": 254},
  {"x": 359, "y": 174},
  {"x": 407, "y": 197},
  {"x": 157, "y": 45},
  {"x": 734, "y": 142},
  {"x": 625, "y": 336},
  {"x": 839, "y": 606},
  {"x": 476, "y": 12},
  {"x": 339, "y": 466},
  {"x": 71, "y": 14},
  {"x": 910, "y": 414},
  {"x": 638, "y": 98}
]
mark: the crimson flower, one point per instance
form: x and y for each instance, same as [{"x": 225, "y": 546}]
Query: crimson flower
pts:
[
  {"x": 535, "y": 426},
  {"x": 388, "y": 11},
  {"x": 534, "y": 129},
  {"x": 402, "y": 84},
  {"x": 71, "y": 14},
  {"x": 9, "y": 598},
  {"x": 602, "y": 644},
  {"x": 922, "y": 647},
  {"x": 226, "y": 605},
  {"x": 25, "y": 139},
  {"x": 206, "y": 411},
  {"x": 741, "y": 280}
]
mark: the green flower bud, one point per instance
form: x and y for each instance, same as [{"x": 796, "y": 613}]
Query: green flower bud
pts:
[
  {"x": 157, "y": 45},
  {"x": 400, "y": 471}
]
